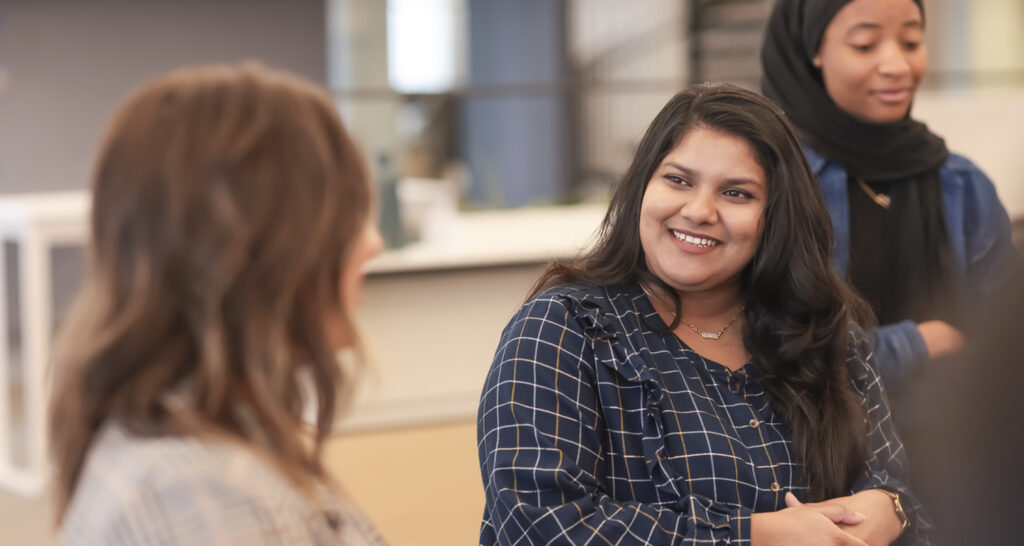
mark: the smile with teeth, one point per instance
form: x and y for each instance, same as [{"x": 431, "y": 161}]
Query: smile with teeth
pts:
[{"x": 694, "y": 240}]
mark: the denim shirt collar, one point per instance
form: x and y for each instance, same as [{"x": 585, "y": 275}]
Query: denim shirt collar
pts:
[{"x": 814, "y": 160}]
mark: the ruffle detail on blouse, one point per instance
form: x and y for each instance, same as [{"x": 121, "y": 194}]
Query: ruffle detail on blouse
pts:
[
  {"x": 595, "y": 322},
  {"x": 592, "y": 309}
]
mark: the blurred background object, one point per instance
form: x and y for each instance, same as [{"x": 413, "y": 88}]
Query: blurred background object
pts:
[
  {"x": 971, "y": 481},
  {"x": 479, "y": 105}
]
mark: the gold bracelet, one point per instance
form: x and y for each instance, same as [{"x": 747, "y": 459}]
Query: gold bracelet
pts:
[{"x": 904, "y": 520}]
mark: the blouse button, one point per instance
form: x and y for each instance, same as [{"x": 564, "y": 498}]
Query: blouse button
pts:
[
  {"x": 754, "y": 423},
  {"x": 775, "y": 487}
]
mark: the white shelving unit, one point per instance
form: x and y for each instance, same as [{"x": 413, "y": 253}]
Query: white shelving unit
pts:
[{"x": 35, "y": 224}]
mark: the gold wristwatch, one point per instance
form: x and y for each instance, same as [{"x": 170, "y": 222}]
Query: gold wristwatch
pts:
[{"x": 904, "y": 520}]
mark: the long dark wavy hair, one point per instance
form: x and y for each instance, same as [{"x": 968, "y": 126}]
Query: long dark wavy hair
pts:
[
  {"x": 798, "y": 311},
  {"x": 226, "y": 202}
]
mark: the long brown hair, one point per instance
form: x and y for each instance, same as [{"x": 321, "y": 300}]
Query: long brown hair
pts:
[
  {"x": 226, "y": 200},
  {"x": 798, "y": 312}
]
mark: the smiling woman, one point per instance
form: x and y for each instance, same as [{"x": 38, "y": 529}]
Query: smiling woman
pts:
[
  {"x": 919, "y": 231},
  {"x": 701, "y": 215},
  {"x": 700, "y": 223},
  {"x": 872, "y": 59},
  {"x": 699, "y": 372}
]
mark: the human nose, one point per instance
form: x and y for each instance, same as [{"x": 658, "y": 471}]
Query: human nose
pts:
[
  {"x": 700, "y": 208},
  {"x": 894, "y": 61}
]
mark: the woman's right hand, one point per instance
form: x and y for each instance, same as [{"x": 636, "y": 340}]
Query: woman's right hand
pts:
[
  {"x": 941, "y": 339},
  {"x": 809, "y": 524}
]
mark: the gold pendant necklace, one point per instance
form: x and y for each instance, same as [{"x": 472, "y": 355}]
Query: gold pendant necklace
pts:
[
  {"x": 713, "y": 336},
  {"x": 880, "y": 199}
]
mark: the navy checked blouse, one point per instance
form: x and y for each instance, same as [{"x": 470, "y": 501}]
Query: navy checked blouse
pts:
[{"x": 595, "y": 428}]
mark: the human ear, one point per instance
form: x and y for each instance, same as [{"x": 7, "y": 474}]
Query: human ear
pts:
[{"x": 816, "y": 61}]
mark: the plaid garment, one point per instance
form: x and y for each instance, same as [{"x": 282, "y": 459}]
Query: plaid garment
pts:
[
  {"x": 187, "y": 491},
  {"x": 594, "y": 428}
]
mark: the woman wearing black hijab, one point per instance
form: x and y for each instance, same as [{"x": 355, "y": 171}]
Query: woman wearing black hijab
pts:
[{"x": 919, "y": 231}]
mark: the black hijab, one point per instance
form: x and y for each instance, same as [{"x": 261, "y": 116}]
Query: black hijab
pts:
[
  {"x": 869, "y": 151},
  {"x": 900, "y": 257}
]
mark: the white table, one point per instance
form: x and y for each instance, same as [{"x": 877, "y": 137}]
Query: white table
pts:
[{"x": 35, "y": 224}]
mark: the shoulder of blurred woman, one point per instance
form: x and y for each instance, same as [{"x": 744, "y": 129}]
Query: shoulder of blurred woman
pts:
[
  {"x": 964, "y": 172},
  {"x": 973, "y": 203},
  {"x": 963, "y": 168},
  {"x": 133, "y": 482}
]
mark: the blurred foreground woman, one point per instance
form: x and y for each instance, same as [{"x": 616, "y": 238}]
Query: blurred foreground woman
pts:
[{"x": 231, "y": 219}]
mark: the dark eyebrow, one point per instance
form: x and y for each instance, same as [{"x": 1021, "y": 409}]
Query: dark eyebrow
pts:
[
  {"x": 742, "y": 182},
  {"x": 678, "y": 167},
  {"x": 867, "y": 25},
  {"x": 730, "y": 181}
]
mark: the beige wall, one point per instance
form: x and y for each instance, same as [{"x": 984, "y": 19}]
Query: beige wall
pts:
[
  {"x": 997, "y": 42},
  {"x": 988, "y": 128}
]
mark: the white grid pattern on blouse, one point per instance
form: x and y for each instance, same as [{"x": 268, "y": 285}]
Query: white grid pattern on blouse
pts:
[{"x": 595, "y": 428}]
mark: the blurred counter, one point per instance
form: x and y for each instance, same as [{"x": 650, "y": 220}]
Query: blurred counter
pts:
[
  {"x": 497, "y": 237},
  {"x": 433, "y": 311}
]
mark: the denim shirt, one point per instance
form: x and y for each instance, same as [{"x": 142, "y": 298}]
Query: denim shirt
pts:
[{"x": 979, "y": 234}]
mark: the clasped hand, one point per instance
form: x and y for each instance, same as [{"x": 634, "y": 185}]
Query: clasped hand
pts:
[{"x": 863, "y": 519}]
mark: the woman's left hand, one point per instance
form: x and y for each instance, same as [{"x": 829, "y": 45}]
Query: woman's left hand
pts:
[{"x": 881, "y": 525}]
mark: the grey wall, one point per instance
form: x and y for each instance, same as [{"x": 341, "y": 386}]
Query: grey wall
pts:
[{"x": 70, "y": 62}]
